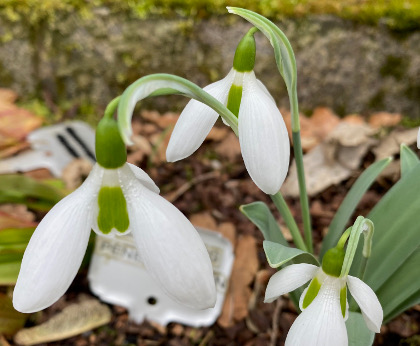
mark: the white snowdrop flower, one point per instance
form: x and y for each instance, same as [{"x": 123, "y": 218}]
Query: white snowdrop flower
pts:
[
  {"x": 116, "y": 198},
  {"x": 262, "y": 132},
  {"x": 324, "y": 302}
]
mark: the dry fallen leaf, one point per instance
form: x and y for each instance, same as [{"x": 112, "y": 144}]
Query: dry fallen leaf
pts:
[
  {"x": 229, "y": 147},
  {"x": 218, "y": 133},
  {"x": 334, "y": 160},
  {"x": 243, "y": 273},
  {"x": 390, "y": 145},
  {"x": 18, "y": 211},
  {"x": 76, "y": 172},
  {"x": 73, "y": 320},
  {"x": 162, "y": 120},
  {"x": 384, "y": 119},
  {"x": 7, "y": 96},
  {"x": 313, "y": 129},
  {"x": 11, "y": 221},
  {"x": 204, "y": 220}
]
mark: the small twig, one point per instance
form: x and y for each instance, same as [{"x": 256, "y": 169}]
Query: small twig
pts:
[
  {"x": 275, "y": 326},
  {"x": 173, "y": 196},
  {"x": 207, "y": 338}
]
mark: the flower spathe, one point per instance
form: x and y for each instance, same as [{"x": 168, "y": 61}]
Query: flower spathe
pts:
[
  {"x": 170, "y": 247},
  {"x": 262, "y": 132},
  {"x": 322, "y": 321}
]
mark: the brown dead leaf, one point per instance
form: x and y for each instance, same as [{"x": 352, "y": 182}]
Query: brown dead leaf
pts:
[
  {"x": 16, "y": 123},
  {"x": 243, "y": 273},
  {"x": 354, "y": 119},
  {"x": 18, "y": 211},
  {"x": 73, "y": 320},
  {"x": 8, "y": 96},
  {"x": 162, "y": 120},
  {"x": 39, "y": 174},
  {"x": 314, "y": 129},
  {"x": 11, "y": 221},
  {"x": 218, "y": 133},
  {"x": 229, "y": 147},
  {"x": 384, "y": 119},
  {"x": 204, "y": 220},
  {"x": 10, "y": 319},
  {"x": 228, "y": 230},
  {"x": 159, "y": 143},
  {"x": 76, "y": 172},
  {"x": 390, "y": 145},
  {"x": 3, "y": 341}
]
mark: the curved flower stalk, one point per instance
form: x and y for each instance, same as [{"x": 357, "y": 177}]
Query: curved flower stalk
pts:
[
  {"x": 324, "y": 302},
  {"x": 115, "y": 199},
  {"x": 262, "y": 132}
]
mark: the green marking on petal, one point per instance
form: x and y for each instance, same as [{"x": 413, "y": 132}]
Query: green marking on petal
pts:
[
  {"x": 234, "y": 99},
  {"x": 112, "y": 210},
  {"x": 343, "y": 300},
  {"x": 311, "y": 293}
]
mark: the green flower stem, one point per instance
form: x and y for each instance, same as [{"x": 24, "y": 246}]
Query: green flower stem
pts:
[
  {"x": 361, "y": 225},
  {"x": 303, "y": 195},
  {"x": 165, "y": 84},
  {"x": 111, "y": 108},
  {"x": 284, "y": 210}
]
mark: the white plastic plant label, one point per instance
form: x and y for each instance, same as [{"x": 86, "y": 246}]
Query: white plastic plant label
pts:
[{"x": 117, "y": 276}]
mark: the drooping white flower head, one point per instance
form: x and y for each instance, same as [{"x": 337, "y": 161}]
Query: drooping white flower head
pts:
[
  {"x": 262, "y": 132},
  {"x": 113, "y": 201},
  {"x": 324, "y": 304}
]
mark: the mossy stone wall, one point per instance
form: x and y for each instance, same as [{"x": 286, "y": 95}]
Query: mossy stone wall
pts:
[{"x": 76, "y": 59}]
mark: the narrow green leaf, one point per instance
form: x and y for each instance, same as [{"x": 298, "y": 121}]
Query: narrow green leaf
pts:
[
  {"x": 408, "y": 158},
  {"x": 401, "y": 285},
  {"x": 414, "y": 299},
  {"x": 357, "y": 331},
  {"x": 396, "y": 234},
  {"x": 350, "y": 203},
  {"x": 278, "y": 255},
  {"x": 13, "y": 236},
  {"x": 9, "y": 272},
  {"x": 260, "y": 215},
  {"x": 28, "y": 187}
]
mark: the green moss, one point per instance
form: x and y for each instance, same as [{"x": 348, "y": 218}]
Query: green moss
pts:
[{"x": 397, "y": 14}]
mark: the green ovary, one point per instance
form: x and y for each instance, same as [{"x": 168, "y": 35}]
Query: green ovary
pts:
[
  {"x": 311, "y": 293},
  {"x": 112, "y": 210}
]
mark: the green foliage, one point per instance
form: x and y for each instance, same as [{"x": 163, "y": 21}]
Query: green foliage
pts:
[
  {"x": 358, "y": 333},
  {"x": 278, "y": 255},
  {"x": 397, "y": 14}
]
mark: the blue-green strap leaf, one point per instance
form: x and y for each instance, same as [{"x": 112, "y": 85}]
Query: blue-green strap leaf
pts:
[
  {"x": 408, "y": 158},
  {"x": 357, "y": 331},
  {"x": 350, "y": 203},
  {"x": 260, "y": 215},
  {"x": 278, "y": 255}
]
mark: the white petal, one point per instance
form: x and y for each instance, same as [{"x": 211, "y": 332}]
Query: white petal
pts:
[
  {"x": 196, "y": 121},
  {"x": 368, "y": 302},
  {"x": 263, "y": 137},
  {"x": 144, "y": 178},
  {"x": 56, "y": 249},
  {"x": 418, "y": 139},
  {"x": 288, "y": 279},
  {"x": 172, "y": 251},
  {"x": 321, "y": 323},
  {"x": 263, "y": 87}
]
